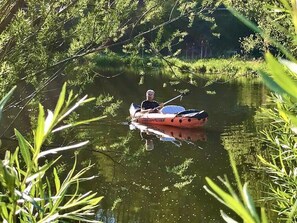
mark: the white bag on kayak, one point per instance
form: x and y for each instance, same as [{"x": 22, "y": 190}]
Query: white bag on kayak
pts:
[{"x": 172, "y": 109}]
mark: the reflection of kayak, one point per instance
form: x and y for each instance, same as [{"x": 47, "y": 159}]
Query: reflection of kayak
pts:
[
  {"x": 170, "y": 116},
  {"x": 171, "y": 133},
  {"x": 182, "y": 133}
]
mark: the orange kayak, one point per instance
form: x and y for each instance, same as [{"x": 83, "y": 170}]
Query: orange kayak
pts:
[{"x": 170, "y": 116}]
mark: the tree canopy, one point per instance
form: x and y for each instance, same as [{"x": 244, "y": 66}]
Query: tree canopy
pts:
[
  {"x": 272, "y": 24},
  {"x": 45, "y": 38}
]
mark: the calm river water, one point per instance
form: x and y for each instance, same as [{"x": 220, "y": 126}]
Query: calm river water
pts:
[{"x": 165, "y": 183}]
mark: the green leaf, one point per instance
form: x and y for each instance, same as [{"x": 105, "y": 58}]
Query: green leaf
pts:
[
  {"x": 243, "y": 19},
  {"x": 9, "y": 177},
  {"x": 280, "y": 76},
  {"x": 60, "y": 102},
  {"x": 40, "y": 130},
  {"x": 54, "y": 151},
  {"x": 41, "y": 171},
  {"x": 78, "y": 123},
  {"x": 57, "y": 180},
  {"x": 5, "y": 99},
  {"x": 227, "y": 218},
  {"x": 263, "y": 216},
  {"x": 250, "y": 203},
  {"x": 292, "y": 214},
  {"x": 48, "y": 122},
  {"x": 289, "y": 64},
  {"x": 26, "y": 197},
  {"x": 232, "y": 203},
  {"x": 271, "y": 84},
  {"x": 24, "y": 148},
  {"x": 4, "y": 211},
  {"x": 286, "y": 4},
  {"x": 75, "y": 106},
  {"x": 267, "y": 163}
]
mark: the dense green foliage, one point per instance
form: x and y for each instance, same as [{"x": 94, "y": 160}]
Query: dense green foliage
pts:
[
  {"x": 279, "y": 136},
  {"x": 44, "y": 39},
  {"x": 218, "y": 69},
  {"x": 32, "y": 190},
  {"x": 274, "y": 29},
  {"x": 40, "y": 40}
]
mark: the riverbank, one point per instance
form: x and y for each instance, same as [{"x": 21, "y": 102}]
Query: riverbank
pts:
[{"x": 215, "y": 68}]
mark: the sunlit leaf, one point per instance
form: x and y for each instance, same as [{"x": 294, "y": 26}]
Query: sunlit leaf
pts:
[
  {"x": 40, "y": 129},
  {"x": 5, "y": 99},
  {"x": 24, "y": 148},
  {"x": 227, "y": 218},
  {"x": 293, "y": 212},
  {"x": 230, "y": 201},
  {"x": 250, "y": 203},
  {"x": 60, "y": 101},
  {"x": 280, "y": 76},
  {"x": 77, "y": 104},
  {"x": 26, "y": 197},
  {"x": 54, "y": 151},
  {"x": 78, "y": 123},
  {"x": 263, "y": 216},
  {"x": 271, "y": 84},
  {"x": 291, "y": 65},
  {"x": 41, "y": 171},
  {"x": 57, "y": 180},
  {"x": 243, "y": 19},
  {"x": 48, "y": 121},
  {"x": 290, "y": 116},
  {"x": 286, "y": 4}
]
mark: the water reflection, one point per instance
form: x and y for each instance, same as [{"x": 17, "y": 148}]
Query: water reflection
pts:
[
  {"x": 174, "y": 135},
  {"x": 162, "y": 169},
  {"x": 157, "y": 174}
]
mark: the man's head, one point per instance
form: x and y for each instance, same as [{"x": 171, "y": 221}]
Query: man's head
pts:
[{"x": 150, "y": 94}]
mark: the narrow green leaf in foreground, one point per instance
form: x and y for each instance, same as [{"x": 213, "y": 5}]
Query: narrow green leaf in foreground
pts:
[
  {"x": 271, "y": 84},
  {"x": 60, "y": 149},
  {"x": 263, "y": 216},
  {"x": 230, "y": 202},
  {"x": 227, "y": 218},
  {"x": 24, "y": 148},
  {"x": 244, "y": 20},
  {"x": 78, "y": 123},
  {"x": 250, "y": 203},
  {"x": 60, "y": 102},
  {"x": 40, "y": 129},
  {"x": 5, "y": 99},
  {"x": 280, "y": 76},
  {"x": 57, "y": 180}
]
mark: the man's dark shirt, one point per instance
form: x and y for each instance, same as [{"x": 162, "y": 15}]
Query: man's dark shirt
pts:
[{"x": 149, "y": 104}]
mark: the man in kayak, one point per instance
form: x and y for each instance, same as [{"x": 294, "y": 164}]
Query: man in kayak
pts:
[{"x": 150, "y": 105}]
